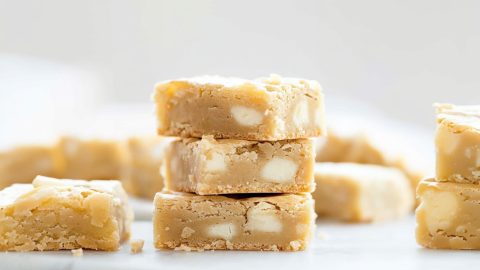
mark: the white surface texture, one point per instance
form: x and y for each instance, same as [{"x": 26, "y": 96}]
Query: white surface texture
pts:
[{"x": 335, "y": 246}]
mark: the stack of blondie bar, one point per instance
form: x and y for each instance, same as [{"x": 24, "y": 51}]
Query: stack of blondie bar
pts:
[
  {"x": 449, "y": 213},
  {"x": 240, "y": 175}
]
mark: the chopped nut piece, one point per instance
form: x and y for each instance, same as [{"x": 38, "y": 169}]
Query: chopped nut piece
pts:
[
  {"x": 187, "y": 232},
  {"x": 295, "y": 245}
]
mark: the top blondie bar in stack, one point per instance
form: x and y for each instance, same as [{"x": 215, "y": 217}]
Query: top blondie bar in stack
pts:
[
  {"x": 240, "y": 174},
  {"x": 449, "y": 213}
]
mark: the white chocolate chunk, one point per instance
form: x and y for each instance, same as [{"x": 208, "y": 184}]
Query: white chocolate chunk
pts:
[
  {"x": 215, "y": 163},
  {"x": 246, "y": 116},
  {"x": 450, "y": 142},
  {"x": 441, "y": 209},
  {"x": 301, "y": 116},
  {"x": 262, "y": 218},
  {"x": 187, "y": 232},
  {"x": 225, "y": 231},
  {"x": 279, "y": 170}
]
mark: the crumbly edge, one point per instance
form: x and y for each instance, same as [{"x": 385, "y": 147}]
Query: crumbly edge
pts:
[
  {"x": 186, "y": 132},
  {"x": 70, "y": 243},
  {"x": 251, "y": 188},
  {"x": 461, "y": 179},
  {"x": 296, "y": 245},
  {"x": 431, "y": 242}
]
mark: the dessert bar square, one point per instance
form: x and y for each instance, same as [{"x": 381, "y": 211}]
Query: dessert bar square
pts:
[
  {"x": 191, "y": 222},
  {"x": 208, "y": 166},
  {"x": 457, "y": 143},
  {"x": 361, "y": 193},
  {"x": 266, "y": 109},
  {"x": 52, "y": 214}
]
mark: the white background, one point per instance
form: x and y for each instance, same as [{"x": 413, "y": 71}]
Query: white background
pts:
[{"x": 394, "y": 55}]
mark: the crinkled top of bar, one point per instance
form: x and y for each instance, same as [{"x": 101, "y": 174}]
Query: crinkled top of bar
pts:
[
  {"x": 45, "y": 186},
  {"x": 107, "y": 186},
  {"x": 459, "y": 118},
  {"x": 271, "y": 83}
]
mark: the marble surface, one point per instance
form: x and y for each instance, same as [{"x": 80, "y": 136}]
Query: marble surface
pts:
[{"x": 335, "y": 246}]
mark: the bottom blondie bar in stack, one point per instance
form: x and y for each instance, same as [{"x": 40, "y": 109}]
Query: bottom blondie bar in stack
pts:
[
  {"x": 240, "y": 176},
  {"x": 241, "y": 222}
]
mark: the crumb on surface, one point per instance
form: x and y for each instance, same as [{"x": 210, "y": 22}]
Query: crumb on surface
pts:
[
  {"x": 77, "y": 252},
  {"x": 295, "y": 245},
  {"x": 136, "y": 245}
]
